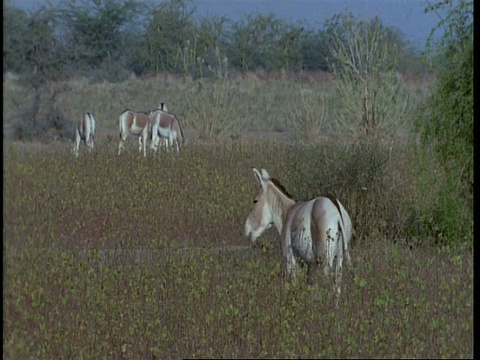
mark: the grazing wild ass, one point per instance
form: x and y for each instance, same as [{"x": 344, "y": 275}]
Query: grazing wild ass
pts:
[
  {"x": 317, "y": 231},
  {"x": 136, "y": 123},
  {"x": 163, "y": 107},
  {"x": 84, "y": 131},
  {"x": 166, "y": 125}
]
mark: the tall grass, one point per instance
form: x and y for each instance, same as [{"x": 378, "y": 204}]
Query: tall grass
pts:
[
  {"x": 225, "y": 106},
  {"x": 122, "y": 256}
]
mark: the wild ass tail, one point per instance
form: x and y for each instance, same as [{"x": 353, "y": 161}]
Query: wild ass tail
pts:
[
  {"x": 181, "y": 130},
  {"x": 341, "y": 223},
  {"x": 88, "y": 120},
  {"x": 345, "y": 226}
]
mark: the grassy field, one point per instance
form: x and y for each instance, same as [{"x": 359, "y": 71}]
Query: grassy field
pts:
[{"x": 132, "y": 257}]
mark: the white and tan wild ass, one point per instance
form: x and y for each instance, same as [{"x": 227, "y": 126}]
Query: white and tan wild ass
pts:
[
  {"x": 84, "y": 131},
  {"x": 166, "y": 125},
  {"x": 136, "y": 123},
  {"x": 162, "y": 107},
  {"x": 317, "y": 231}
]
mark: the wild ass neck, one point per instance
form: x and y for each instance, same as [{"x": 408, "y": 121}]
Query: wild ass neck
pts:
[{"x": 279, "y": 204}]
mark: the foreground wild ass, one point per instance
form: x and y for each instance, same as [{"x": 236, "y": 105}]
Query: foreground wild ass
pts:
[
  {"x": 136, "y": 123},
  {"x": 84, "y": 131},
  {"x": 166, "y": 125},
  {"x": 317, "y": 231}
]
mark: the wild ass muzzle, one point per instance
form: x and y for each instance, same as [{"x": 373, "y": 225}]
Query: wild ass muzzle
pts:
[
  {"x": 136, "y": 123},
  {"x": 84, "y": 131},
  {"x": 167, "y": 126},
  {"x": 317, "y": 231}
]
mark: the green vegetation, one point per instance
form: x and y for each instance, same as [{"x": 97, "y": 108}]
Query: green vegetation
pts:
[
  {"x": 112, "y": 38},
  {"x": 109, "y": 256},
  {"x": 446, "y": 125}
]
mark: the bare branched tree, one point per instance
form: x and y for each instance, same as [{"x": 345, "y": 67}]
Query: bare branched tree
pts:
[{"x": 370, "y": 94}]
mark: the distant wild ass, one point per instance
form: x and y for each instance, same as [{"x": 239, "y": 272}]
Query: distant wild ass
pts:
[
  {"x": 166, "y": 125},
  {"x": 162, "y": 107},
  {"x": 317, "y": 231},
  {"x": 136, "y": 123},
  {"x": 84, "y": 131},
  {"x": 140, "y": 124}
]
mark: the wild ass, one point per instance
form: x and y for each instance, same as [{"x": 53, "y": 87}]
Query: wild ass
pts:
[
  {"x": 163, "y": 107},
  {"x": 136, "y": 123},
  {"x": 84, "y": 131},
  {"x": 166, "y": 125},
  {"x": 317, "y": 231}
]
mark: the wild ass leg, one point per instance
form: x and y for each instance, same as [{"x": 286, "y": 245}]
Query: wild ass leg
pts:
[
  {"x": 292, "y": 267},
  {"x": 338, "y": 247},
  {"x": 154, "y": 139},
  {"x": 90, "y": 143},
  {"x": 325, "y": 253},
  {"x": 333, "y": 249},
  {"x": 157, "y": 142},
  {"x": 140, "y": 144},
  {"x": 338, "y": 279},
  {"x": 121, "y": 144},
  {"x": 351, "y": 270},
  {"x": 320, "y": 256},
  {"x": 312, "y": 272},
  {"x": 291, "y": 262},
  {"x": 144, "y": 139},
  {"x": 170, "y": 139},
  {"x": 177, "y": 145},
  {"x": 76, "y": 146},
  {"x": 349, "y": 259},
  {"x": 346, "y": 251},
  {"x": 319, "y": 249}
]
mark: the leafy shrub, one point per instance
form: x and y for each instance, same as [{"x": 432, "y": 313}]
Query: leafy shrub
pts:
[
  {"x": 365, "y": 177},
  {"x": 49, "y": 124},
  {"x": 446, "y": 127}
]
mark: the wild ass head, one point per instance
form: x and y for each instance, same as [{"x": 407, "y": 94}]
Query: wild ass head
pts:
[{"x": 270, "y": 206}]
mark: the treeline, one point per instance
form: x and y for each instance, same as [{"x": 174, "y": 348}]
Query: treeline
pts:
[{"x": 111, "y": 39}]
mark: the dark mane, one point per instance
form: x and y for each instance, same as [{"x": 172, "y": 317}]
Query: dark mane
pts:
[{"x": 280, "y": 187}]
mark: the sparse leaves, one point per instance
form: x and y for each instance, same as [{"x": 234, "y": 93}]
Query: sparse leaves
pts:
[
  {"x": 213, "y": 107},
  {"x": 371, "y": 95}
]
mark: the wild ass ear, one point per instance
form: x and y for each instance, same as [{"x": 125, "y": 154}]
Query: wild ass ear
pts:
[
  {"x": 258, "y": 175},
  {"x": 265, "y": 174}
]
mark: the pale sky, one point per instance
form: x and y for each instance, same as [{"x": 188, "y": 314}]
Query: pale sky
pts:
[{"x": 406, "y": 15}]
